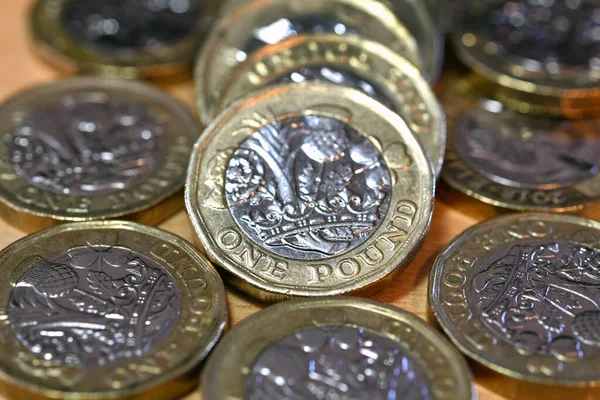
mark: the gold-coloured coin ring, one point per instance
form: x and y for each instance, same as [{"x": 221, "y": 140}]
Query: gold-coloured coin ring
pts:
[
  {"x": 228, "y": 367},
  {"x": 464, "y": 177},
  {"x": 571, "y": 95},
  {"x": 465, "y": 261},
  {"x": 31, "y": 207},
  {"x": 90, "y": 275},
  {"x": 225, "y": 47},
  {"x": 60, "y": 48},
  {"x": 399, "y": 80},
  {"x": 259, "y": 270}
]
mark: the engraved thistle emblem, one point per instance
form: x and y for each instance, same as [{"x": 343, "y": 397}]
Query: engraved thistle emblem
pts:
[
  {"x": 339, "y": 362},
  {"x": 308, "y": 187},
  {"x": 93, "y": 305},
  {"x": 543, "y": 298}
]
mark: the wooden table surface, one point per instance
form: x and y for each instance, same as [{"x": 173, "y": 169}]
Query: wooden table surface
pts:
[{"x": 21, "y": 68}]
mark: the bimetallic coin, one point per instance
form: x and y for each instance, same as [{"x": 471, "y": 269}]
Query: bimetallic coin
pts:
[
  {"x": 343, "y": 348},
  {"x": 125, "y": 38},
  {"x": 516, "y": 161},
  {"x": 309, "y": 190},
  {"x": 420, "y": 19},
  {"x": 92, "y": 148},
  {"x": 544, "y": 55},
  {"x": 352, "y": 62},
  {"x": 519, "y": 294},
  {"x": 106, "y": 310},
  {"x": 267, "y": 22}
]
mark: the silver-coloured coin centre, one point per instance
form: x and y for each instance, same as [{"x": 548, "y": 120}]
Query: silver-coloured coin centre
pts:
[
  {"x": 543, "y": 297},
  {"x": 308, "y": 187},
  {"x": 550, "y": 35},
  {"x": 337, "y": 76},
  {"x": 94, "y": 306},
  {"x": 340, "y": 362},
  {"x": 523, "y": 151},
  {"x": 86, "y": 147},
  {"x": 114, "y": 25}
]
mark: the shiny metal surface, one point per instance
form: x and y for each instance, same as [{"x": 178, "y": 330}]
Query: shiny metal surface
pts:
[
  {"x": 308, "y": 187},
  {"x": 81, "y": 146},
  {"x": 337, "y": 362},
  {"x": 94, "y": 305}
]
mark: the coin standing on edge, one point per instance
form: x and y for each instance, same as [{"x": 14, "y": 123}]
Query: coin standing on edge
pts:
[
  {"x": 265, "y": 22},
  {"x": 309, "y": 190},
  {"x": 106, "y": 310},
  {"x": 518, "y": 162},
  {"x": 124, "y": 38},
  {"x": 92, "y": 148},
  {"x": 520, "y": 295},
  {"x": 542, "y": 56},
  {"x": 349, "y": 61},
  {"x": 347, "y": 348}
]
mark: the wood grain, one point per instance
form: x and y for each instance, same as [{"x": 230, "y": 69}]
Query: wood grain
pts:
[{"x": 21, "y": 68}]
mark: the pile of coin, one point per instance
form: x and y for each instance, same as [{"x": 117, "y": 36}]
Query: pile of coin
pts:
[{"x": 313, "y": 174}]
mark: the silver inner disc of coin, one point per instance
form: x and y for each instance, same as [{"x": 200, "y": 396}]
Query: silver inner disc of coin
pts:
[
  {"x": 340, "y": 77},
  {"x": 110, "y": 25},
  {"x": 87, "y": 147},
  {"x": 522, "y": 151},
  {"x": 284, "y": 28},
  {"x": 308, "y": 187},
  {"x": 339, "y": 362},
  {"x": 549, "y": 36},
  {"x": 94, "y": 306},
  {"x": 542, "y": 297}
]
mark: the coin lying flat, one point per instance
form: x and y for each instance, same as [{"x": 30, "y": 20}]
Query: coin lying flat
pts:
[
  {"x": 265, "y": 22},
  {"x": 343, "y": 348},
  {"x": 349, "y": 61},
  {"x": 92, "y": 148},
  {"x": 519, "y": 294},
  {"x": 519, "y": 162},
  {"x": 544, "y": 55},
  {"x": 125, "y": 38},
  {"x": 309, "y": 190},
  {"x": 104, "y": 310}
]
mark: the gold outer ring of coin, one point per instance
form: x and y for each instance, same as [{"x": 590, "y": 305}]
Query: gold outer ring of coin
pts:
[
  {"x": 393, "y": 244},
  {"x": 515, "y": 86},
  {"x": 421, "y": 21},
  {"x": 412, "y": 97},
  {"x": 501, "y": 366},
  {"x": 167, "y": 371},
  {"x": 480, "y": 196},
  {"x": 55, "y": 45},
  {"x": 227, "y": 367},
  {"x": 220, "y": 54},
  {"x": 151, "y": 201}
]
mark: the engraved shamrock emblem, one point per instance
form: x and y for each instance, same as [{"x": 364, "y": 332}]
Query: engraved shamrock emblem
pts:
[{"x": 99, "y": 254}]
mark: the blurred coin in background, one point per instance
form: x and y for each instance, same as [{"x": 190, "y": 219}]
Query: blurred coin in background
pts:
[
  {"x": 265, "y": 22},
  {"x": 92, "y": 148},
  {"x": 122, "y": 38}
]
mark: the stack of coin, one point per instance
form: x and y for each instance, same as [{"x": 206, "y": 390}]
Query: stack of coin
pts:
[
  {"x": 523, "y": 125},
  {"x": 310, "y": 179}
]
